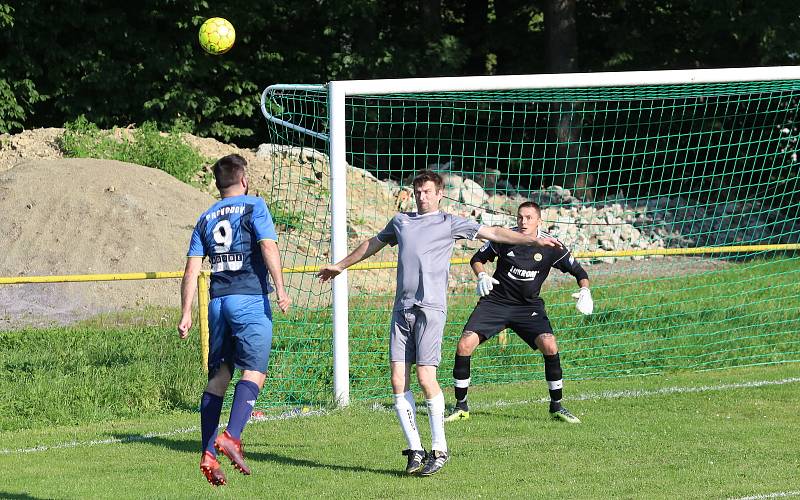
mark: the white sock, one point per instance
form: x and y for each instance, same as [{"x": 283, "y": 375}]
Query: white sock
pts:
[
  {"x": 410, "y": 398},
  {"x": 436, "y": 419},
  {"x": 406, "y": 413}
]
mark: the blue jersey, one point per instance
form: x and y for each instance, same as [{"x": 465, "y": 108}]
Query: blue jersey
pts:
[{"x": 229, "y": 233}]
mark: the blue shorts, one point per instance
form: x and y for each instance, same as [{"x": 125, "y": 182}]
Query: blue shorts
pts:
[{"x": 240, "y": 333}]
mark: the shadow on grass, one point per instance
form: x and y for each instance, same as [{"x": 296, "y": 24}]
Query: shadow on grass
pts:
[
  {"x": 192, "y": 446},
  {"x": 19, "y": 496}
]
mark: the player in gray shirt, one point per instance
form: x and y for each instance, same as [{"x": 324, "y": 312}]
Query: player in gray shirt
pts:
[{"x": 425, "y": 239}]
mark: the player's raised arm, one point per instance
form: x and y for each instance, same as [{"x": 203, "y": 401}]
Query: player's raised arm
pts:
[
  {"x": 269, "y": 250},
  {"x": 509, "y": 237},
  {"x": 366, "y": 249},
  {"x": 188, "y": 289}
]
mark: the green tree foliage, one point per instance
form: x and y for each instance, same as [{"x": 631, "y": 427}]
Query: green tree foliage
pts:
[
  {"x": 16, "y": 94},
  {"x": 147, "y": 145},
  {"x": 121, "y": 63},
  {"x": 646, "y": 34}
]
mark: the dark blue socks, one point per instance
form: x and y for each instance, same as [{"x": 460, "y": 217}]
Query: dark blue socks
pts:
[
  {"x": 210, "y": 408},
  {"x": 244, "y": 398}
]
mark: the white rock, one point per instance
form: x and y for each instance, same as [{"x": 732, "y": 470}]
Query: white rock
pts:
[
  {"x": 491, "y": 219},
  {"x": 472, "y": 193},
  {"x": 499, "y": 202},
  {"x": 452, "y": 181},
  {"x": 452, "y": 197}
]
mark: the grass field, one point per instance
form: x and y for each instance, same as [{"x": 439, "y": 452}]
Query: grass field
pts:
[
  {"x": 686, "y": 383},
  {"x": 721, "y": 434}
]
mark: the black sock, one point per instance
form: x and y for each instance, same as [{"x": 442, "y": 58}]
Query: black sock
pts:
[
  {"x": 553, "y": 374},
  {"x": 461, "y": 380}
]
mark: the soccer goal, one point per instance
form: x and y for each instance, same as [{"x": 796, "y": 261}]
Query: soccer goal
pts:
[{"x": 678, "y": 190}]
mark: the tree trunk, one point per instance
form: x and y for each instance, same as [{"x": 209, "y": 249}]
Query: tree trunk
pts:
[
  {"x": 431, "y": 22},
  {"x": 476, "y": 23},
  {"x": 561, "y": 35},
  {"x": 562, "y": 57}
]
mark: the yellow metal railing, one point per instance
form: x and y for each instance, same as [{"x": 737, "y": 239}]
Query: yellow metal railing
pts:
[
  {"x": 202, "y": 279},
  {"x": 202, "y": 292},
  {"x": 591, "y": 255},
  {"x": 73, "y": 278}
]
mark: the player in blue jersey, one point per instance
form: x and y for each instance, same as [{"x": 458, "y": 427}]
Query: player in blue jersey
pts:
[
  {"x": 238, "y": 237},
  {"x": 510, "y": 299},
  {"x": 425, "y": 242}
]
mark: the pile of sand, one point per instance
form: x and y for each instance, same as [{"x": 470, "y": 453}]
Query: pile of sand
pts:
[
  {"x": 82, "y": 216},
  {"x": 79, "y": 216}
]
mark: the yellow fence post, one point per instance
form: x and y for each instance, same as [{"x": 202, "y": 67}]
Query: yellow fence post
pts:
[{"x": 202, "y": 305}]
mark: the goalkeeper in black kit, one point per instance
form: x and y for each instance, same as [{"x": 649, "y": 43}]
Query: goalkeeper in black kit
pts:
[{"x": 510, "y": 299}]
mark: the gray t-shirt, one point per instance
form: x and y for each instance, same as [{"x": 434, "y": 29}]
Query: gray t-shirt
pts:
[{"x": 426, "y": 245}]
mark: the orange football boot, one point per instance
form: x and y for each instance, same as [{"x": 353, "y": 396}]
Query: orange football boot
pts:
[
  {"x": 212, "y": 470},
  {"x": 232, "y": 448}
]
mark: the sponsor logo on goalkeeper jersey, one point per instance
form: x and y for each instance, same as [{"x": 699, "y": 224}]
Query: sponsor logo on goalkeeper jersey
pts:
[
  {"x": 237, "y": 209},
  {"x": 518, "y": 274}
]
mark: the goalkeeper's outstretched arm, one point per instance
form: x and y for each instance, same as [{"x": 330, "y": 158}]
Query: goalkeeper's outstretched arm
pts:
[
  {"x": 585, "y": 302},
  {"x": 363, "y": 251},
  {"x": 485, "y": 282},
  {"x": 477, "y": 266}
]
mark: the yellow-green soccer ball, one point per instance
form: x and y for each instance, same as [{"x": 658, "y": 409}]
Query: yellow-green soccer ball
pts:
[{"x": 217, "y": 36}]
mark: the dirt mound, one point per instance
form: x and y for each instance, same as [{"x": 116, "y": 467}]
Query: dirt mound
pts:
[
  {"x": 81, "y": 216},
  {"x": 77, "y": 216},
  {"x": 39, "y": 143}
]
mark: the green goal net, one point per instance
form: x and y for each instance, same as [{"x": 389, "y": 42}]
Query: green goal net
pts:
[{"x": 680, "y": 200}]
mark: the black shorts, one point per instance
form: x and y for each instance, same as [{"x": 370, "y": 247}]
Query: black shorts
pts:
[{"x": 490, "y": 318}]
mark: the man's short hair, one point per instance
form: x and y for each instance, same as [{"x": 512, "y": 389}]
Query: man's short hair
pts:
[
  {"x": 428, "y": 175},
  {"x": 530, "y": 204},
  {"x": 229, "y": 170}
]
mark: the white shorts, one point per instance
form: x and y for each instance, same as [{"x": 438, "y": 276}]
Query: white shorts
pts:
[{"x": 416, "y": 336}]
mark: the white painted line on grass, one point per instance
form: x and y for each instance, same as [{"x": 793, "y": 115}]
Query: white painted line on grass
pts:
[
  {"x": 780, "y": 494},
  {"x": 300, "y": 412},
  {"x": 83, "y": 444},
  {"x": 594, "y": 396},
  {"x": 294, "y": 413}
]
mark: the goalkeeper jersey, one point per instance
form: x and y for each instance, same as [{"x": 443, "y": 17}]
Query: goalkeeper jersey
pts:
[
  {"x": 228, "y": 234},
  {"x": 521, "y": 270}
]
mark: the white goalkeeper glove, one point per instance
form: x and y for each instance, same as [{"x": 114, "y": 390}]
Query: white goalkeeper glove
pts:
[
  {"x": 585, "y": 303},
  {"x": 485, "y": 284}
]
